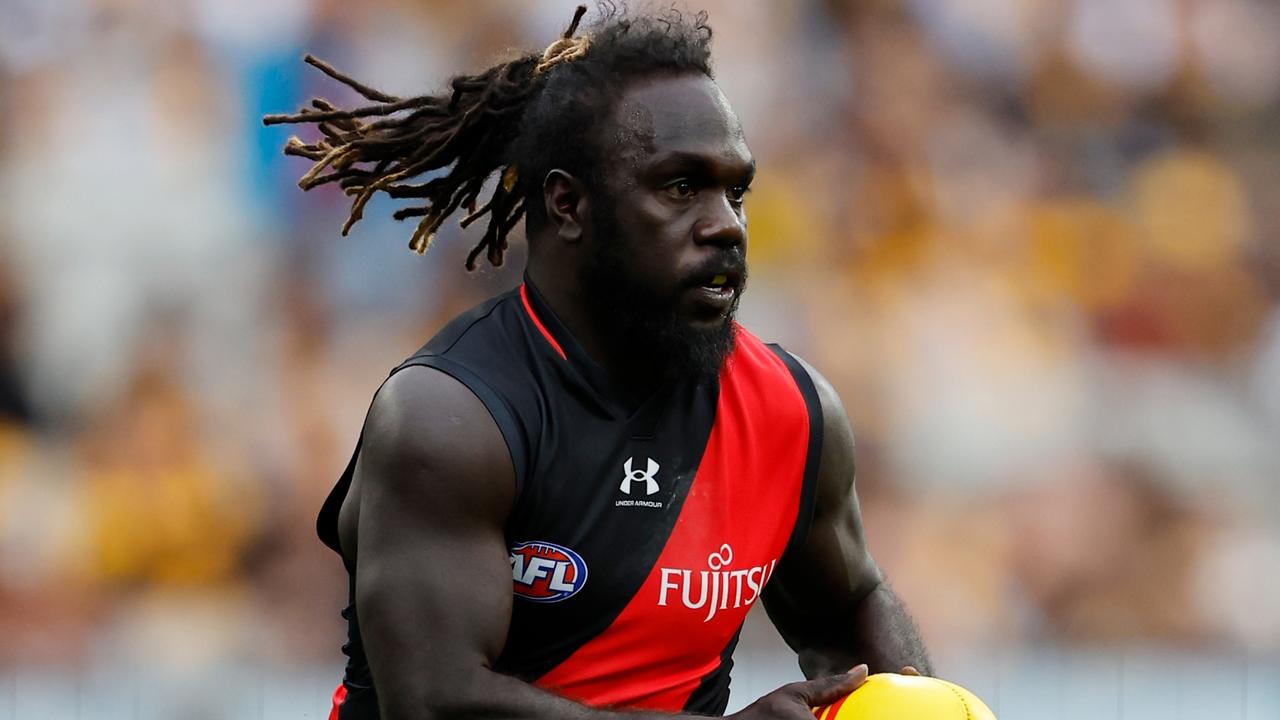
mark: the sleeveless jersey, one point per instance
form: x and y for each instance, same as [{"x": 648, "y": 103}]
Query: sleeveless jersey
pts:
[{"x": 640, "y": 536}]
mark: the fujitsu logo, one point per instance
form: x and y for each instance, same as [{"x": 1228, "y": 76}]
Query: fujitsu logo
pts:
[{"x": 717, "y": 588}]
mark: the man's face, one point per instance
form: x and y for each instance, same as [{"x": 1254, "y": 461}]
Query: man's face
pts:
[{"x": 668, "y": 233}]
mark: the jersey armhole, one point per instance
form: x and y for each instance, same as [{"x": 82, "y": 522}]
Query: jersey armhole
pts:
[
  {"x": 813, "y": 453},
  {"x": 499, "y": 410},
  {"x": 327, "y": 520}
]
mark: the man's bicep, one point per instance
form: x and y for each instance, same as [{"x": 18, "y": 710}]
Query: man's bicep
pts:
[{"x": 433, "y": 579}]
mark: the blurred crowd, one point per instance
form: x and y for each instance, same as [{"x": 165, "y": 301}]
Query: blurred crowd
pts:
[{"x": 1034, "y": 243}]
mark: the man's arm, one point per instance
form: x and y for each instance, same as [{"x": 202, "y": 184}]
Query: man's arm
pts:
[
  {"x": 433, "y": 487},
  {"x": 829, "y": 601}
]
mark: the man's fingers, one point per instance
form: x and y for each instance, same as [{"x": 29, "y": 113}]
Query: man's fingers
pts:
[
  {"x": 908, "y": 670},
  {"x": 826, "y": 690}
]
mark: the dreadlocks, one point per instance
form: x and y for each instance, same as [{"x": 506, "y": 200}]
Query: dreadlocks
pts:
[{"x": 522, "y": 117}]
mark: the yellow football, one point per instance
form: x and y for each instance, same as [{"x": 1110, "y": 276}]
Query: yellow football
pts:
[{"x": 888, "y": 696}]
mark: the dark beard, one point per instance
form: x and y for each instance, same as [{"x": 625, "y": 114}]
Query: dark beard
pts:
[{"x": 648, "y": 339}]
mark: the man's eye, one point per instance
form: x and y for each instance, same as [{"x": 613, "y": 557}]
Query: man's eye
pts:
[
  {"x": 680, "y": 189},
  {"x": 738, "y": 192}
]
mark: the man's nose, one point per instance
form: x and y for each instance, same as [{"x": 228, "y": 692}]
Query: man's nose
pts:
[{"x": 721, "y": 224}]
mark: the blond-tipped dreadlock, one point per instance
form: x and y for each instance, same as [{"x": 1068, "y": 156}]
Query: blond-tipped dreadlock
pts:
[
  {"x": 483, "y": 125},
  {"x": 466, "y": 131}
]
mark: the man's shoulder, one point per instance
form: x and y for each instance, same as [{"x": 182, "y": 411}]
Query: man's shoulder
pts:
[
  {"x": 811, "y": 383},
  {"x": 418, "y": 399},
  {"x": 486, "y": 322},
  {"x": 429, "y": 444},
  {"x": 487, "y": 345},
  {"x": 818, "y": 392},
  {"x": 750, "y": 350},
  {"x": 485, "y": 348},
  {"x": 480, "y": 363}
]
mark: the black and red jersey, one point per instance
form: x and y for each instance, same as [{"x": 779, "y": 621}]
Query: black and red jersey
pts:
[{"x": 641, "y": 535}]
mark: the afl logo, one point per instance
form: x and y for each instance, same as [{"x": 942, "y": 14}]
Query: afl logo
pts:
[{"x": 546, "y": 572}]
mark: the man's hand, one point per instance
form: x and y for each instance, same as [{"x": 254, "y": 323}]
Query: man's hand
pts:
[{"x": 797, "y": 700}]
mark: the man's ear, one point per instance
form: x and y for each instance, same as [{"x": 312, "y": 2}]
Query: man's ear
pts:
[{"x": 566, "y": 203}]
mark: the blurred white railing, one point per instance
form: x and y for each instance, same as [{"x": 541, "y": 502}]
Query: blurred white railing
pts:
[{"x": 1031, "y": 683}]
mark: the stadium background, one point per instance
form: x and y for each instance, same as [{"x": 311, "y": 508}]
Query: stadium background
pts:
[{"x": 1034, "y": 243}]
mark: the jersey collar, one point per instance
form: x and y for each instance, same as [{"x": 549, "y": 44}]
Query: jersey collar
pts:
[{"x": 562, "y": 342}]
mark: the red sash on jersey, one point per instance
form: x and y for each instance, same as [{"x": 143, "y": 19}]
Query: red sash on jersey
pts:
[{"x": 733, "y": 528}]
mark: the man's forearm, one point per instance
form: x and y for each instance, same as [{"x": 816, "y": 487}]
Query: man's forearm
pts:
[
  {"x": 877, "y": 631},
  {"x": 488, "y": 694}
]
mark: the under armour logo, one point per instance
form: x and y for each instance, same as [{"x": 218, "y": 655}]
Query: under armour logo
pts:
[{"x": 629, "y": 476}]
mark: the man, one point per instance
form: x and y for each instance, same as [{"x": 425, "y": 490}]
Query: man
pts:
[{"x": 570, "y": 497}]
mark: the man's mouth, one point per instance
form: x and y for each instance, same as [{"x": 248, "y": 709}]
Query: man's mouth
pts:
[
  {"x": 719, "y": 284},
  {"x": 718, "y": 291}
]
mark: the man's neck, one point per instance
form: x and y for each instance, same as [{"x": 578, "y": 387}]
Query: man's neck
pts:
[{"x": 567, "y": 299}]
